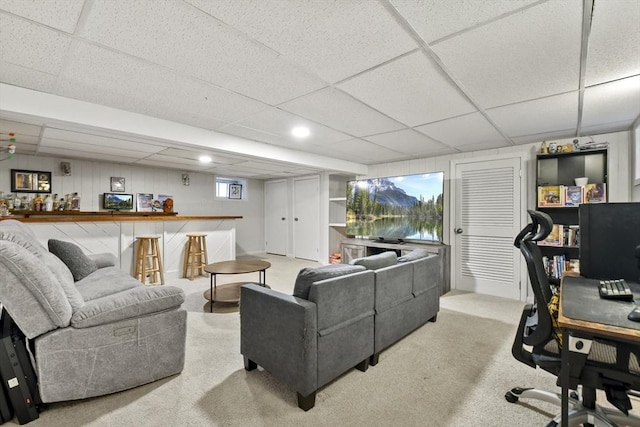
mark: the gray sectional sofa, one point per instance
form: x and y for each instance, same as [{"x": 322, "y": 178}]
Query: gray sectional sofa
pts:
[
  {"x": 93, "y": 329},
  {"x": 339, "y": 317}
]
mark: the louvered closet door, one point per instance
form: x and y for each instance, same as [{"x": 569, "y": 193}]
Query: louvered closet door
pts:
[{"x": 487, "y": 218}]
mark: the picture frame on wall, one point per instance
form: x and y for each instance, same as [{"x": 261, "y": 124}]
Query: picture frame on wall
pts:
[
  {"x": 145, "y": 202},
  {"x": 28, "y": 181},
  {"x": 235, "y": 191},
  {"x": 117, "y": 183}
]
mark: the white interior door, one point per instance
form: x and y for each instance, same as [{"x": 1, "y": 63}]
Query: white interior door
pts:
[
  {"x": 276, "y": 217},
  {"x": 487, "y": 218},
  {"x": 306, "y": 218}
]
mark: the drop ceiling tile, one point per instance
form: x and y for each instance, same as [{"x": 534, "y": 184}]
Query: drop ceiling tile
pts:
[
  {"x": 612, "y": 102},
  {"x": 59, "y": 14},
  {"x": 253, "y": 134},
  {"x": 20, "y": 129},
  {"x": 540, "y": 115},
  {"x": 31, "y": 45},
  {"x": 614, "y": 42},
  {"x": 109, "y": 78},
  {"x": 95, "y": 151},
  {"x": 478, "y": 146},
  {"x": 325, "y": 37},
  {"x": 469, "y": 129},
  {"x": 607, "y": 127},
  {"x": 167, "y": 162},
  {"x": 339, "y": 111},
  {"x": 544, "y": 136},
  {"x": 26, "y": 148},
  {"x": 406, "y": 141},
  {"x": 280, "y": 123},
  {"x": 65, "y": 153},
  {"x": 18, "y": 75},
  {"x": 194, "y": 154},
  {"x": 185, "y": 39},
  {"x": 361, "y": 151},
  {"x": 420, "y": 92},
  {"x": 434, "y": 19},
  {"x": 527, "y": 55},
  {"x": 87, "y": 139}
]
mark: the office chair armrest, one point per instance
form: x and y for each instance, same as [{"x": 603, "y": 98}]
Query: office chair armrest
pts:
[{"x": 517, "y": 350}]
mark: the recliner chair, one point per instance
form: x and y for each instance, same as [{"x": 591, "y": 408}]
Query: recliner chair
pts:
[{"x": 610, "y": 366}]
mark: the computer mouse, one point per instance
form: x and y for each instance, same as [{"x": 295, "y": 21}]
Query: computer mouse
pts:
[{"x": 635, "y": 314}]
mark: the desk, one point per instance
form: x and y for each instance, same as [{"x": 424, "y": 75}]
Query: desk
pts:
[{"x": 583, "y": 314}]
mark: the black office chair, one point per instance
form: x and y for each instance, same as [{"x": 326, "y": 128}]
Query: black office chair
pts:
[{"x": 610, "y": 366}]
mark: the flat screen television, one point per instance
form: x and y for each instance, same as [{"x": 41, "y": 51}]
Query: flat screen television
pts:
[
  {"x": 396, "y": 208},
  {"x": 609, "y": 235},
  {"x": 117, "y": 201}
]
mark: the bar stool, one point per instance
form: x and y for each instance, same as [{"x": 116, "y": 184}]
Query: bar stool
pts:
[
  {"x": 195, "y": 255},
  {"x": 148, "y": 262}
]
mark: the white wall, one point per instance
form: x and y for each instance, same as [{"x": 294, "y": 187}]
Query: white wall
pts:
[{"x": 92, "y": 179}]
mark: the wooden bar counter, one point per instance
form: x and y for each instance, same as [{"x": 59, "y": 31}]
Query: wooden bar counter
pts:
[{"x": 116, "y": 232}]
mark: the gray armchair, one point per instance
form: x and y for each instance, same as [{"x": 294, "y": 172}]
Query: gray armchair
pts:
[{"x": 306, "y": 343}]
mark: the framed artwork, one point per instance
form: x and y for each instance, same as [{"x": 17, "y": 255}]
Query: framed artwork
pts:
[
  {"x": 235, "y": 191},
  {"x": 26, "y": 181},
  {"x": 117, "y": 183},
  {"x": 145, "y": 202}
]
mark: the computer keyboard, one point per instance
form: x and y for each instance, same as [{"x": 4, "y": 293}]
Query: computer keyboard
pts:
[{"x": 615, "y": 289}]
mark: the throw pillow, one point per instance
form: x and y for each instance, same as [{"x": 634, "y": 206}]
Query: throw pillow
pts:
[
  {"x": 308, "y": 276},
  {"x": 375, "y": 262},
  {"x": 73, "y": 257},
  {"x": 414, "y": 255}
]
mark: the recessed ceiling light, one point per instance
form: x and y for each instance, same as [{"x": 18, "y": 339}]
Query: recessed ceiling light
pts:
[
  {"x": 300, "y": 131},
  {"x": 205, "y": 159}
]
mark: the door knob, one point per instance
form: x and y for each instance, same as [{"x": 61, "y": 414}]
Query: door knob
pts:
[
  {"x": 295, "y": 219},
  {"x": 282, "y": 218},
  {"x": 458, "y": 230}
]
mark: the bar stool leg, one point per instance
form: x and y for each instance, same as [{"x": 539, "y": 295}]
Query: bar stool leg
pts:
[{"x": 186, "y": 258}]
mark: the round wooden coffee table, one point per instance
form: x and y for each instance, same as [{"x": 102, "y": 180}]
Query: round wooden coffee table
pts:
[{"x": 230, "y": 292}]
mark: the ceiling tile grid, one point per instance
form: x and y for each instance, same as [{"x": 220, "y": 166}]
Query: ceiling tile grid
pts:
[
  {"x": 539, "y": 115},
  {"x": 463, "y": 130},
  {"x": 407, "y": 141},
  {"x": 32, "y": 45},
  {"x": 511, "y": 60},
  {"x": 59, "y": 14},
  {"x": 614, "y": 42},
  {"x": 183, "y": 39},
  {"x": 340, "y": 111},
  {"x": 410, "y": 89},
  {"x": 618, "y": 101},
  {"x": 333, "y": 39}
]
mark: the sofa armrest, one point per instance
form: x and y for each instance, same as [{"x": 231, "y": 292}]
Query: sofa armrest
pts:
[
  {"x": 130, "y": 304},
  {"x": 279, "y": 333},
  {"x": 106, "y": 259}
]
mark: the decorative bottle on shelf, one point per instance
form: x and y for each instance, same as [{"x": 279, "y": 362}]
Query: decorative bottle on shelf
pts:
[
  {"x": 75, "y": 202},
  {"x": 61, "y": 205},
  {"x": 48, "y": 203},
  {"x": 9, "y": 200},
  {"x": 37, "y": 203},
  {"x": 17, "y": 203},
  {"x": 56, "y": 203},
  {"x": 67, "y": 203}
]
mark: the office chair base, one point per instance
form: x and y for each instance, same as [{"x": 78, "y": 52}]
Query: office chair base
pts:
[
  {"x": 598, "y": 417},
  {"x": 578, "y": 414}
]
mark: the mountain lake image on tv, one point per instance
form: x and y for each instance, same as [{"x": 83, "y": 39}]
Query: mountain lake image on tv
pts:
[
  {"x": 118, "y": 201},
  {"x": 407, "y": 207}
]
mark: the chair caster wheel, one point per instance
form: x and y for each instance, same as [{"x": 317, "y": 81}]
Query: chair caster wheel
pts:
[{"x": 511, "y": 398}]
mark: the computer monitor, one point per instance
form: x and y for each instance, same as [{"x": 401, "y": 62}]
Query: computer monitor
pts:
[{"x": 609, "y": 235}]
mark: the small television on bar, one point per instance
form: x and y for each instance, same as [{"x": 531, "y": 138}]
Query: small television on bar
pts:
[
  {"x": 397, "y": 208},
  {"x": 117, "y": 201}
]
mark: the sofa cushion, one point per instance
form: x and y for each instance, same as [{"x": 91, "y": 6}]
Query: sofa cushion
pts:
[
  {"x": 374, "y": 262},
  {"x": 307, "y": 276},
  {"x": 414, "y": 255},
  {"x": 73, "y": 257},
  {"x": 131, "y": 304},
  {"x": 105, "y": 281}
]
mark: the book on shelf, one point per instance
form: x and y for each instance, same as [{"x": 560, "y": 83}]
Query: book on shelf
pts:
[
  {"x": 573, "y": 195},
  {"x": 555, "y": 237},
  {"x": 573, "y": 265},
  {"x": 595, "y": 193},
  {"x": 550, "y": 195},
  {"x": 555, "y": 266},
  {"x": 572, "y": 235}
]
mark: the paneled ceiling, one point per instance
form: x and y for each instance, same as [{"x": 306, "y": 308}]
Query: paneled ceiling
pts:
[{"x": 150, "y": 82}]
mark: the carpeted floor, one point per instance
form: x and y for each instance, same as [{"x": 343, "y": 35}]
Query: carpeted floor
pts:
[{"x": 450, "y": 373}]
